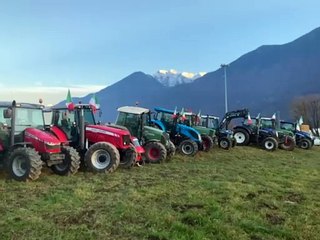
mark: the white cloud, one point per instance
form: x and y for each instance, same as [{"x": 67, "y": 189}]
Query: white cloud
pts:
[{"x": 49, "y": 95}]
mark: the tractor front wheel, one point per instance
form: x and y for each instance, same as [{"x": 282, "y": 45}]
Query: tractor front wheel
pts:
[
  {"x": 225, "y": 143},
  {"x": 289, "y": 144},
  {"x": 188, "y": 147},
  {"x": 305, "y": 144},
  {"x": 24, "y": 164},
  {"x": 155, "y": 152},
  {"x": 70, "y": 164},
  {"x": 128, "y": 158},
  {"x": 102, "y": 157},
  {"x": 207, "y": 143},
  {"x": 270, "y": 144},
  {"x": 242, "y": 137}
]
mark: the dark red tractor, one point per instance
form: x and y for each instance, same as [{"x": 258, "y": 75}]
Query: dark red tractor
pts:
[
  {"x": 25, "y": 145},
  {"x": 103, "y": 148}
]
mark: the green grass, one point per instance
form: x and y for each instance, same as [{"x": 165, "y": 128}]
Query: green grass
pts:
[{"x": 245, "y": 193}]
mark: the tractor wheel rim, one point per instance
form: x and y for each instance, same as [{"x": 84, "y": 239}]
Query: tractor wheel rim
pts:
[
  {"x": 187, "y": 149},
  {"x": 304, "y": 145},
  {"x": 61, "y": 166},
  {"x": 269, "y": 145},
  {"x": 154, "y": 153},
  {"x": 19, "y": 166},
  {"x": 205, "y": 143},
  {"x": 224, "y": 144},
  {"x": 101, "y": 159},
  {"x": 240, "y": 137}
]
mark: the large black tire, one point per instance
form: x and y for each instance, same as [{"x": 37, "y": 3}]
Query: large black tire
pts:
[
  {"x": 270, "y": 144},
  {"x": 225, "y": 143},
  {"x": 102, "y": 157},
  {"x": 188, "y": 148},
  {"x": 305, "y": 144},
  {"x": 71, "y": 163},
  {"x": 171, "y": 150},
  {"x": 289, "y": 144},
  {"x": 155, "y": 152},
  {"x": 207, "y": 143},
  {"x": 242, "y": 137},
  {"x": 128, "y": 158},
  {"x": 24, "y": 164}
]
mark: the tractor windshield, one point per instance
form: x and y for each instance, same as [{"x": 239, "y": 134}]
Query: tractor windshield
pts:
[
  {"x": 288, "y": 126},
  {"x": 213, "y": 123},
  {"x": 131, "y": 121},
  {"x": 29, "y": 117},
  {"x": 267, "y": 123},
  {"x": 166, "y": 118}
]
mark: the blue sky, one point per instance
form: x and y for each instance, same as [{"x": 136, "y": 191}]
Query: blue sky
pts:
[{"x": 49, "y": 46}]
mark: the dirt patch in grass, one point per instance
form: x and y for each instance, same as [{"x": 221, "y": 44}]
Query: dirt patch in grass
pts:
[
  {"x": 294, "y": 197},
  {"x": 87, "y": 217},
  {"x": 275, "y": 219},
  {"x": 267, "y": 205},
  {"x": 184, "y": 207}
]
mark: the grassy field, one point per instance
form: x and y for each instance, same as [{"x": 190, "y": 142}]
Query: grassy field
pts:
[{"x": 245, "y": 193}]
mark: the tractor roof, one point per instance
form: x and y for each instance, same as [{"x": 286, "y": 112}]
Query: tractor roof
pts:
[
  {"x": 158, "y": 109},
  {"x": 210, "y": 116},
  {"x": 21, "y": 105},
  {"x": 133, "y": 109}
]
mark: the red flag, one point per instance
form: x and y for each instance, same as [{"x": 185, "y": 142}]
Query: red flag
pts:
[
  {"x": 249, "y": 119},
  {"x": 175, "y": 113}
]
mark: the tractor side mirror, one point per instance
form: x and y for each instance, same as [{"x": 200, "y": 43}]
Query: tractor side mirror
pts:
[{"x": 7, "y": 113}]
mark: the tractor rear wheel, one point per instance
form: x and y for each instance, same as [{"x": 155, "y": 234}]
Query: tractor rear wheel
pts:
[
  {"x": 289, "y": 144},
  {"x": 242, "y": 137},
  {"x": 24, "y": 164},
  {"x": 70, "y": 164},
  {"x": 207, "y": 143},
  {"x": 225, "y": 143},
  {"x": 270, "y": 144},
  {"x": 305, "y": 144},
  {"x": 171, "y": 150},
  {"x": 188, "y": 147},
  {"x": 155, "y": 152},
  {"x": 102, "y": 157},
  {"x": 128, "y": 158}
]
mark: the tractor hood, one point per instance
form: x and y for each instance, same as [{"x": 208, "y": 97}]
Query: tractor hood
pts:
[
  {"x": 204, "y": 130},
  {"x": 304, "y": 134},
  {"x": 112, "y": 131},
  {"x": 155, "y": 134},
  {"x": 33, "y": 135}
]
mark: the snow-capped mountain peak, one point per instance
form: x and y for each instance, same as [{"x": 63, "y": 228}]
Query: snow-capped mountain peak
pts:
[{"x": 171, "y": 78}]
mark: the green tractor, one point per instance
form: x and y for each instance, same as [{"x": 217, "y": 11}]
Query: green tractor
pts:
[
  {"x": 207, "y": 134},
  {"x": 223, "y": 137},
  {"x": 286, "y": 137},
  {"x": 156, "y": 143}
]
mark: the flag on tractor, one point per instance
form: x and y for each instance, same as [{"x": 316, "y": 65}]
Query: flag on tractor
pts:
[
  {"x": 69, "y": 103},
  {"x": 249, "y": 119},
  {"x": 175, "y": 113},
  {"x": 198, "y": 118},
  {"x": 274, "y": 116},
  {"x": 94, "y": 103},
  {"x": 300, "y": 121},
  {"x": 183, "y": 115}
]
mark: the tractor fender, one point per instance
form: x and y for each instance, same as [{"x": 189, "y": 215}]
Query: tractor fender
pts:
[
  {"x": 158, "y": 124},
  {"x": 247, "y": 129}
]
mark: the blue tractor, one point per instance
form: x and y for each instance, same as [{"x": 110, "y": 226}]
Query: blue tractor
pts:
[{"x": 187, "y": 139}]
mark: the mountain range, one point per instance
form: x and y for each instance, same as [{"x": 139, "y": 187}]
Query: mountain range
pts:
[{"x": 264, "y": 80}]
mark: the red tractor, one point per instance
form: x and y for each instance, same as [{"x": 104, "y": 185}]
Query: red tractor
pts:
[
  {"x": 25, "y": 145},
  {"x": 103, "y": 148}
]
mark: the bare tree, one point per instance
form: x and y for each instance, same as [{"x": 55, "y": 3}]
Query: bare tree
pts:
[{"x": 309, "y": 108}]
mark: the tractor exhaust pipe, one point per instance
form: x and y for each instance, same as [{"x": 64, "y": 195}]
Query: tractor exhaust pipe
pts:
[
  {"x": 13, "y": 122},
  {"x": 82, "y": 130}
]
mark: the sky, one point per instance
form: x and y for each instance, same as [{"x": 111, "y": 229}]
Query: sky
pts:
[{"x": 48, "y": 46}]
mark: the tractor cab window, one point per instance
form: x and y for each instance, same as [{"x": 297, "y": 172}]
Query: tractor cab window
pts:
[
  {"x": 288, "y": 126},
  {"x": 213, "y": 123},
  {"x": 64, "y": 119},
  {"x": 28, "y": 117},
  {"x": 88, "y": 117},
  {"x": 145, "y": 119},
  {"x": 166, "y": 118},
  {"x": 266, "y": 123},
  {"x": 130, "y": 121}
]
